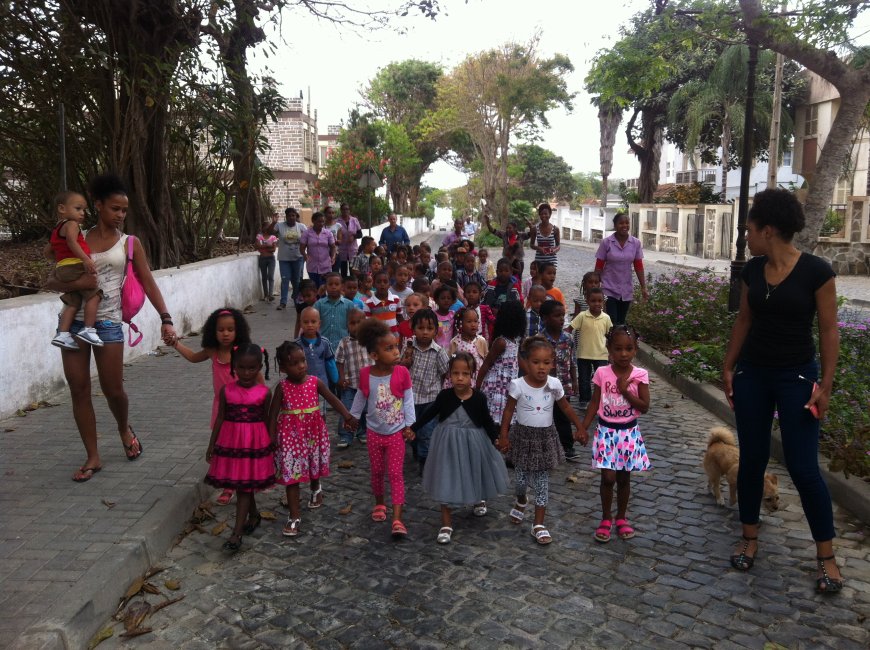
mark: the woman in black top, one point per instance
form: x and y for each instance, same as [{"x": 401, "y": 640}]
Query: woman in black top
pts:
[{"x": 771, "y": 366}]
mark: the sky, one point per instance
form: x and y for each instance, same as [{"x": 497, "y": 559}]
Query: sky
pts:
[{"x": 331, "y": 63}]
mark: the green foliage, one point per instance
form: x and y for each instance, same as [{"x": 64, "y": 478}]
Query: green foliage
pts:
[
  {"x": 832, "y": 224},
  {"x": 339, "y": 181},
  {"x": 691, "y": 194},
  {"x": 542, "y": 175},
  {"x": 521, "y": 213},
  {"x": 588, "y": 185}
]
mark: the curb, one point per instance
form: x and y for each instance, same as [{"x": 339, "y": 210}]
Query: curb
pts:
[
  {"x": 79, "y": 614},
  {"x": 851, "y": 493}
]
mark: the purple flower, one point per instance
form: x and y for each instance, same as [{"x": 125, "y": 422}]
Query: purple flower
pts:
[{"x": 675, "y": 353}]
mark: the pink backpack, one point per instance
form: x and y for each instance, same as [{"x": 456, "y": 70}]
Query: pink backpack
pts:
[{"x": 132, "y": 295}]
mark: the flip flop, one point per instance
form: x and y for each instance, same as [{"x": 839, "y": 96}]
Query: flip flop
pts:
[
  {"x": 134, "y": 442},
  {"x": 85, "y": 474}
]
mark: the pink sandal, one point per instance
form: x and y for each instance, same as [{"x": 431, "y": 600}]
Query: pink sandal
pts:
[
  {"x": 225, "y": 498},
  {"x": 379, "y": 513},
  {"x": 623, "y": 530},
  {"x": 602, "y": 533}
]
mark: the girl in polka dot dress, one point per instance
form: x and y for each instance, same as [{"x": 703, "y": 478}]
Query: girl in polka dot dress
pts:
[
  {"x": 620, "y": 394},
  {"x": 299, "y": 434}
]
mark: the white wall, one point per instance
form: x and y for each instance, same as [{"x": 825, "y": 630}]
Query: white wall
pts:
[
  {"x": 30, "y": 367},
  {"x": 415, "y": 226}
]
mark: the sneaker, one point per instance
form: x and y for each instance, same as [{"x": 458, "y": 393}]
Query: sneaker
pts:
[
  {"x": 65, "y": 340},
  {"x": 343, "y": 444},
  {"x": 573, "y": 456},
  {"x": 281, "y": 306},
  {"x": 362, "y": 438},
  {"x": 89, "y": 335}
]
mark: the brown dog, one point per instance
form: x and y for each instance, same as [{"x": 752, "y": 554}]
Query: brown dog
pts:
[{"x": 722, "y": 459}]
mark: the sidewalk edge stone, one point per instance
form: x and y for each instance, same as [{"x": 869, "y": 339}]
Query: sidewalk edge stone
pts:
[{"x": 851, "y": 493}]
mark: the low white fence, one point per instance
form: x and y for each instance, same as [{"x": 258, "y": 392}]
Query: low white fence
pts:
[
  {"x": 30, "y": 367},
  {"x": 590, "y": 223},
  {"x": 414, "y": 226},
  {"x": 705, "y": 231}
]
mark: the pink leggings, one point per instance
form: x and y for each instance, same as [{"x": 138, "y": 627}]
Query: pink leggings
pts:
[{"x": 390, "y": 451}]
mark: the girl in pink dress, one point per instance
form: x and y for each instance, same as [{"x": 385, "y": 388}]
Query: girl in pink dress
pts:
[
  {"x": 224, "y": 329},
  {"x": 298, "y": 432},
  {"x": 240, "y": 451},
  {"x": 466, "y": 326}
]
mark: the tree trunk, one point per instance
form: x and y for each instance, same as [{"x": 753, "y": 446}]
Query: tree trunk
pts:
[
  {"x": 609, "y": 117},
  {"x": 725, "y": 143},
  {"x": 648, "y": 151}
]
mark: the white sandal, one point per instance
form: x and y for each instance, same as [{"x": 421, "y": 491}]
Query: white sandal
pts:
[
  {"x": 480, "y": 509},
  {"x": 541, "y": 534},
  {"x": 313, "y": 503},
  {"x": 518, "y": 512},
  {"x": 291, "y": 528},
  {"x": 444, "y": 535}
]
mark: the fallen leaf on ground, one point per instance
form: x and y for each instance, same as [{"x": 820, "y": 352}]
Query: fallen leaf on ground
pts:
[
  {"x": 268, "y": 515},
  {"x": 139, "y": 631},
  {"x": 135, "y": 614},
  {"x": 135, "y": 588},
  {"x": 172, "y": 585},
  {"x": 667, "y": 406},
  {"x": 345, "y": 464},
  {"x": 153, "y": 571},
  {"x": 150, "y": 588},
  {"x": 217, "y": 530},
  {"x": 346, "y": 510},
  {"x": 108, "y": 504},
  {"x": 9, "y": 429},
  {"x": 21, "y": 413},
  {"x": 572, "y": 478},
  {"x": 100, "y": 636},
  {"x": 32, "y": 406}
]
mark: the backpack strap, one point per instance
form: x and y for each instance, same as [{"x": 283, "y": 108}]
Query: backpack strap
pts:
[
  {"x": 364, "y": 374},
  {"x": 400, "y": 381}
]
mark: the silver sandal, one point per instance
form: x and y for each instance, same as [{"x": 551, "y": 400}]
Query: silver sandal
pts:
[{"x": 444, "y": 535}]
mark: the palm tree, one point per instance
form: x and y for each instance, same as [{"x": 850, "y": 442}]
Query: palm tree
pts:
[{"x": 718, "y": 102}]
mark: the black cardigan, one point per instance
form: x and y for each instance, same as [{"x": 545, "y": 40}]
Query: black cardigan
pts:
[{"x": 447, "y": 402}]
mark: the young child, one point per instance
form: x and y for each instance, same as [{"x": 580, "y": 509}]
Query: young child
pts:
[
  {"x": 350, "y": 358},
  {"x": 383, "y": 306},
  {"x": 427, "y": 362},
  {"x": 590, "y": 328},
  {"x": 536, "y": 297},
  {"x": 240, "y": 450},
  {"x": 467, "y": 273},
  {"x": 223, "y": 330},
  {"x": 621, "y": 393},
  {"x": 73, "y": 260},
  {"x": 400, "y": 287},
  {"x": 350, "y": 290},
  {"x": 501, "y": 365},
  {"x": 445, "y": 301},
  {"x": 547, "y": 277},
  {"x": 485, "y": 265},
  {"x": 365, "y": 288},
  {"x": 485, "y": 317},
  {"x": 298, "y": 432},
  {"x": 591, "y": 280},
  {"x": 318, "y": 350},
  {"x": 564, "y": 369},
  {"x": 532, "y": 440},
  {"x": 532, "y": 280},
  {"x": 385, "y": 392},
  {"x": 464, "y": 467},
  {"x": 360, "y": 265},
  {"x": 413, "y": 303},
  {"x": 502, "y": 289},
  {"x": 306, "y": 298},
  {"x": 466, "y": 325},
  {"x": 333, "y": 309},
  {"x": 376, "y": 265}
]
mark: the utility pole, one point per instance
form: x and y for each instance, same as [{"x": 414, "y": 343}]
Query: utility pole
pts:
[{"x": 775, "y": 121}]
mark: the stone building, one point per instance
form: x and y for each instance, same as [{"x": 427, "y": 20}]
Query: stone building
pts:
[{"x": 292, "y": 156}]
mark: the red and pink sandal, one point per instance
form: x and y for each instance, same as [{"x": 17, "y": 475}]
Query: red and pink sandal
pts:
[
  {"x": 602, "y": 533},
  {"x": 623, "y": 530}
]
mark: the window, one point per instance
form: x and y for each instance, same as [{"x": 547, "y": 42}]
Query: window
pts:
[
  {"x": 842, "y": 190},
  {"x": 787, "y": 158},
  {"x": 811, "y": 125}
]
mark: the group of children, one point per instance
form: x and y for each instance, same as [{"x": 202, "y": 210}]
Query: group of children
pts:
[{"x": 461, "y": 371}]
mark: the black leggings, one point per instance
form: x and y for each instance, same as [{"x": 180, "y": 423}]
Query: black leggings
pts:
[
  {"x": 617, "y": 309},
  {"x": 267, "y": 274}
]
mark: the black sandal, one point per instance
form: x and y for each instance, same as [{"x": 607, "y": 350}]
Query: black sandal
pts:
[
  {"x": 232, "y": 546},
  {"x": 826, "y": 584},
  {"x": 251, "y": 525},
  {"x": 134, "y": 442},
  {"x": 741, "y": 561}
]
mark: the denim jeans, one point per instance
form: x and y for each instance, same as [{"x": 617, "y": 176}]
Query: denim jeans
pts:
[
  {"x": 267, "y": 274},
  {"x": 424, "y": 435},
  {"x": 617, "y": 309},
  {"x": 585, "y": 369},
  {"x": 346, "y": 397},
  {"x": 291, "y": 273},
  {"x": 758, "y": 392}
]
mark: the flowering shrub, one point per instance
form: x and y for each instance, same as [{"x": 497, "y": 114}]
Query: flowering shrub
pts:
[
  {"x": 340, "y": 181},
  {"x": 687, "y": 319}
]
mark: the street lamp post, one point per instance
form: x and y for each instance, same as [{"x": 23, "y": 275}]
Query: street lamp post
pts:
[
  {"x": 371, "y": 181},
  {"x": 746, "y": 166}
]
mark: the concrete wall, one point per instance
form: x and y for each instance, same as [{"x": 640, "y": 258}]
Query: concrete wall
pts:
[{"x": 30, "y": 367}]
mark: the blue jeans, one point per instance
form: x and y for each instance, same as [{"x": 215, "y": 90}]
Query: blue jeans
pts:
[
  {"x": 758, "y": 392},
  {"x": 108, "y": 331},
  {"x": 291, "y": 273},
  {"x": 425, "y": 434},
  {"x": 344, "y": 435}
]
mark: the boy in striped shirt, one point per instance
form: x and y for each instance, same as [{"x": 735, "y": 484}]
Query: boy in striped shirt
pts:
[{"x": 384, "y": 306}]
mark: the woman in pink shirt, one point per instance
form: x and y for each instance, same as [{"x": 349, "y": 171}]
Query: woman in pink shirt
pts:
[
  {"x": 317, "y": 246},
  {"x": 616, "y": 256}
]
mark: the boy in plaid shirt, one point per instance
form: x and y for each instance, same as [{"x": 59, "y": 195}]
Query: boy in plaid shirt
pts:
[
  {"x": 351, "y": 357},
  {"x": 564, "y": 369},
  {"x": 427, "y": 361}
]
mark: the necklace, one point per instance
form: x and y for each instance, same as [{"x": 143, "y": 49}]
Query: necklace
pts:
[{"x": 770, "y": 289}]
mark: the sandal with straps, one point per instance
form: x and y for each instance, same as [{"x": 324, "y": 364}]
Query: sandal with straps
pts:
[
  {"x": 316, "y": 499},
  {"x": 479, "y": 509},
  {"x": 826, "y": 584},
  {"x": 379, "y": 513},
  {"x": 741, "y": 561},
  {"x": 291, "y": 528},
  {"x": 232, "y": 546},
  {"x": 399, "y": 531},
  {"x": 134, "y": 442},
  {"x": 602, "y": 533},
  {"x": 623, "y": 530},
  {"x": 541, "y": 534},
  {"x": 252, "y": 524},
  {"x": 518, "y": 512},
  {"x": 444, "y": 535}
]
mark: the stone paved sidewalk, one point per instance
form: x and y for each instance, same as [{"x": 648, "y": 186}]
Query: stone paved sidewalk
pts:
[{"x": 345, "y": 583}]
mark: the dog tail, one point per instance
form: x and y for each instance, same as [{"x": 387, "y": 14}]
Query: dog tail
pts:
[{"x": 721, "y": 435}]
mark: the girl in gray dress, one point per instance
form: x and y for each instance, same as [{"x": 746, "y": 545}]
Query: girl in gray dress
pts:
[{"x": 463, "y": 465}]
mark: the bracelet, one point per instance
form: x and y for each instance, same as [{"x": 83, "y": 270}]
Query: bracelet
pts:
[
  {"x": 166, "y": 316},
  {"x": 167, "y": 321}
]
